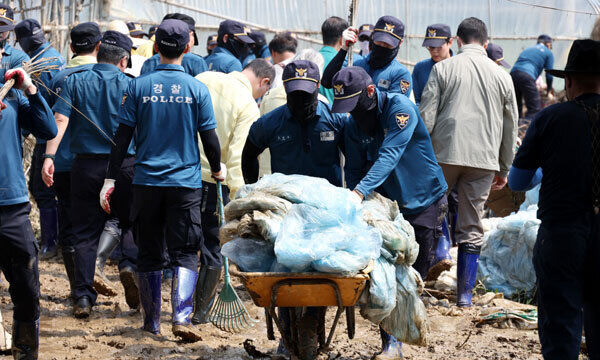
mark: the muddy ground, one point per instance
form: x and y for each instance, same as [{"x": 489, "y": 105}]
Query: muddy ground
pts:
[{"x": 112, "y": 332}]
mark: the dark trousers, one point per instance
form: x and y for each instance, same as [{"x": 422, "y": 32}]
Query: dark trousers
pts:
[
  {"x": 44, "y": 196},
  {"x": 120, "y": 205},
  {"x": 19, "y": 261},
  {"x": 167, "y": 217},
  {"x": 87, "y": 177},
  {"x": 525, "y": 88},
  {"x": 211, "y": 248},
  {"x": 428, "y": 229},
  {"x": 566, "y": 263},
  {"x": 62, "y": 187}
]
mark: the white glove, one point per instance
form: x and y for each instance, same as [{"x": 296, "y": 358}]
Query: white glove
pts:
[
  {"x": 221, "y": 175},
  {"x": 105, "y": 194},
  {"x": 356, "y": 198},
  {"x": 21, "y": 77},
  {"x": 349, "y": 38}
]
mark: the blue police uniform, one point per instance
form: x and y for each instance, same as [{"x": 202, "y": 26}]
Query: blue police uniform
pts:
[
  {"x": 313, "y": 151},
  {"x": 392, "y": 78},
  {"x": 222, "y": 60},
  {"x": 248, "y": 59},
  {"x": 525, "y": 72},
  {"x": 193, "y": 64},
  {"x": 420, "y": 76},
  {"x": 398, "y": 161},
  {"x": 534, "y": 60},
  {"x": 46, "y": 77},
  {"x": 264, "y": 53},
  {"x": 97, "y": 92},
  {"x": 12, "y": 58},
  {"x": 19, "y": 247}
]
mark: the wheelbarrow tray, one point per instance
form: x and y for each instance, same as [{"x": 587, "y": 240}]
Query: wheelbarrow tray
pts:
[{"x": 303, "y": 289}]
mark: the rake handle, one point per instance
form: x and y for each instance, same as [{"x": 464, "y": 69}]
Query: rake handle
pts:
[
  {"x": 6, "y": 88},
  {"x": 221, "y": 221}
]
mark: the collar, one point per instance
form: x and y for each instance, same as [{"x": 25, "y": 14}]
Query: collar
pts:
[
  {"x": 472, "y": 49},
  {"x": 81, "y": 60},
  {"x": 242, "y": 79},
  {"x": 171, "y": 67},
  {"x": 106, "y": 67},
  {"x": 328, "y": 48},
  {"x": 40, "y": 49},
  {"x": 219, "y": 49},
  {"x": 7, "y": 49}
]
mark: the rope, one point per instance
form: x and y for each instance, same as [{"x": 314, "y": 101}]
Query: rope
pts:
[{"x": 553, "y": 8}]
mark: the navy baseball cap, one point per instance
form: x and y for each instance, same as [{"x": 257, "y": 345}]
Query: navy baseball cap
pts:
[
  {"x": 7, "y": 18},
  {"x": 211, "y": 40},
  {"x": 544, "y": 38},
  {"x": 237, "y": 29},
  {"x": 121, "y": 40},
  {"x": 388, "y": 29},
  {"x": 259, "y": 38},
  {"x": 29, "y": 34},
  {"x": 173, "y": 34},
  {"x": 191, "y": 23},
  {"x": 437, "y": 35},
  {"x": 135, "y": 29},
  {"x": 496, "y": 53},
  {"x": 364, "y": 31},
  {"x": 152, "y": 30},
  {"x": 301, "y": 75},
  {"x": 348, "y": 83},
  {"x": 85, "y": 34}
]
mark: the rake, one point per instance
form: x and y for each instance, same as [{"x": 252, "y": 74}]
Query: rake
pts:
[{"x": 228, "y": 312}]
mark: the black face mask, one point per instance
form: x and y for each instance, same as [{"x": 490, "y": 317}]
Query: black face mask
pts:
[
  {"x": 302, "y": 105},
  {"x": 381, "y": 56},
  {"x": 3, "y": 43},
  {"x": 365, "y": 112},
  {"x": 238, "y": 48}
]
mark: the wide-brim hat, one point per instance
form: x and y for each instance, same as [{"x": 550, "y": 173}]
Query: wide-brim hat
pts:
[{"x": 584, "y": 58}]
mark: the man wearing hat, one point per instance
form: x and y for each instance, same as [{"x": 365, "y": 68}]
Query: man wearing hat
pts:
[
  {"x": 167, "y": 109},
  {"x": 192, "y": 63},
  {"x": 364, "y": 39},
  {"x": 11, "y": 57},
  {"x": 564, "y": 141},
  {"x": 151, "y": 31},
  {"x": 496, "y": 53},
  {"x": 135, "y": 30},
  {"x": 233, "y": 45},
  {"x": 388, "y": 150},
  {"x": 258, "y": 50},
  {"x": 438, "y": 41},
  {"x": 97, "y": 92},
  {"x": 211, "y": 44},
  {"x": 381, "y": 64},
  {"x": 31, "y": 39},
  {"x": 530, "y": 64}
]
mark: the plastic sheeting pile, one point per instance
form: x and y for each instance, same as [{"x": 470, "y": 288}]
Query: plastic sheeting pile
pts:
[
  {"x": 295, "y": 223},
  {"x": 506, "y": 263}
]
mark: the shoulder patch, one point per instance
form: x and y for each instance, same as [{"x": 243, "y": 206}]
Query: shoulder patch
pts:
[
  {"x": 124, "y": 99},
  {"x": 402, "y": 120},
  {"x": 404, "y": 86}
]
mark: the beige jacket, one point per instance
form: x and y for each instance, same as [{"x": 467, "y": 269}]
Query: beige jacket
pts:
[{"x": 470, "y": 110}]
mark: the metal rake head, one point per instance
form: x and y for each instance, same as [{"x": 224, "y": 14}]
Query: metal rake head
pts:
[{"x": 228, "y": 312}]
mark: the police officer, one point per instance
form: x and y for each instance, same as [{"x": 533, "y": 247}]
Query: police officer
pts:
[
  {"x": 381, "y": 64},
  {"x": 438, "y": 41},
  {"x": 11, "y": 57},
  {"x": 31, "y": 38},
  {"x": 388, "y": 149},
  {"x": 530, "y": 64},
  {"x": 364, "y": 39},
  {"x": 233, "y": 45},
  {"x": 192, "y": 63},
  {"x": 167, "y": 181},
  {"x": 258, "y": 50},
  {"x": 496, "y": 53},
  {"x": 135, "y": 30},
  {"x": 98, "y": 92},
  {"x": 211, "y": 44},
  {"x": 85, "y": 41},
  {"x": 565, "y": 255},
  {"x": 18, "y": 246},
  {"x": 151, "y": 31}
]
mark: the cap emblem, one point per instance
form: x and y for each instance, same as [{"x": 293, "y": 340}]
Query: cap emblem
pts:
[
  {"x": 247, "y": 30},
  {"x": 389, "y": 27},
  {"x": 2, "y": 12},
  {"x": 300, "y": 72},
  {"x": 431, "y": 32},
  {"x": 338, "y": 89}
]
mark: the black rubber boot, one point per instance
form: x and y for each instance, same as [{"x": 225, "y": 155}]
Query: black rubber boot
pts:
[
  {"x": 82, "y": 308},
  {"x": 129, "y": 282},
  {"x": 109, "y": 239},
  {"x": 49, "y": 230},
  {"x": 206, "y": 289},
  {"x": 68, "y": 253},
  {"x": 25, "y": 340}
]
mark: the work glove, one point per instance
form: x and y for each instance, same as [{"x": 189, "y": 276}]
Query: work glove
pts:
[
  {"x": 221, "y": 175},
  {"x": 349, "y": 38},
  {"x": 2, "y": 105},
  {"x": 106, "y": 193},
  {"x": 21, "y": 77}
]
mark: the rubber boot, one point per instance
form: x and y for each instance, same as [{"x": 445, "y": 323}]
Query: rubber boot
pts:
[
  {"x": 132, "y": 293},
  {"x": 68, "y": 254},
  {"x": 391, "y": 348},
  {"x": 109, "y": 239},
  {"x": 468, "y": 260},
  {"x": 25, "y": 338},
  {"x": 49, "y": 229},
  {"x": 443, "y": 260},
  {"x": 284, "y": 316},
  {"x": 206, "y": 289},
  {"x": 149, "y": 289},
  {"x": 182, "y": 302},
  {"x": 82, "y": 308}
]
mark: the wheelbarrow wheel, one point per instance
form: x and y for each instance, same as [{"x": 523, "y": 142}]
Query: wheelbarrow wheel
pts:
[{"x": 308, "y": 340}]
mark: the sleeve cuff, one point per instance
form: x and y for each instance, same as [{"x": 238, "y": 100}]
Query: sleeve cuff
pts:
[
  {"x": 361, "y": 189},
  {"x": 502, "y": 173}
]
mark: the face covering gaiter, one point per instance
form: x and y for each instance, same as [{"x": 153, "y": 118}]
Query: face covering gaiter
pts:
[
  {"x": 302, "y": 105},
  {"x": 381, "y": 56},
  {"x": 238, "y": 48},
  {"x": 365, "y": 112}
]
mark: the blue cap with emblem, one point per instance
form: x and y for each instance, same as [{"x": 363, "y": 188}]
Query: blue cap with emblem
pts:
[
  {"x": 152, "y": 30},
  {"x": 236, "y": 29},
  {"x": 211, "y": 40},
  {"x": 85, "y": 34},
  {"x": 29, "y": 34},
  {"x": 7, "y": 18},
  {"x": 364, "y": 32},
  {"x": 135, "y": 29},
  {"x": 118, "y": 39},
  {"x": 348, "y": 83},
  {"x": 301, "y": 75},
  {"x": 437, "y": 35},
  {"x": 389, "y": 30},
  {"x": 496, "y": 53},
  {"x": 172, "y": 34},
  {"x": 191, "y": 23}
]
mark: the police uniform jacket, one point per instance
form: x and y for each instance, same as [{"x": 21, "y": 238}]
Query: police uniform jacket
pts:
[
  {"x": 222, "y": 60},
  {"x": 192, "y": 64},
  {"x": 392, "y": 78}
]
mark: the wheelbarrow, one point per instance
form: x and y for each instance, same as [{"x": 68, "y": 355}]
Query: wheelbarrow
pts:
[{"x": 306, "y": 338}]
